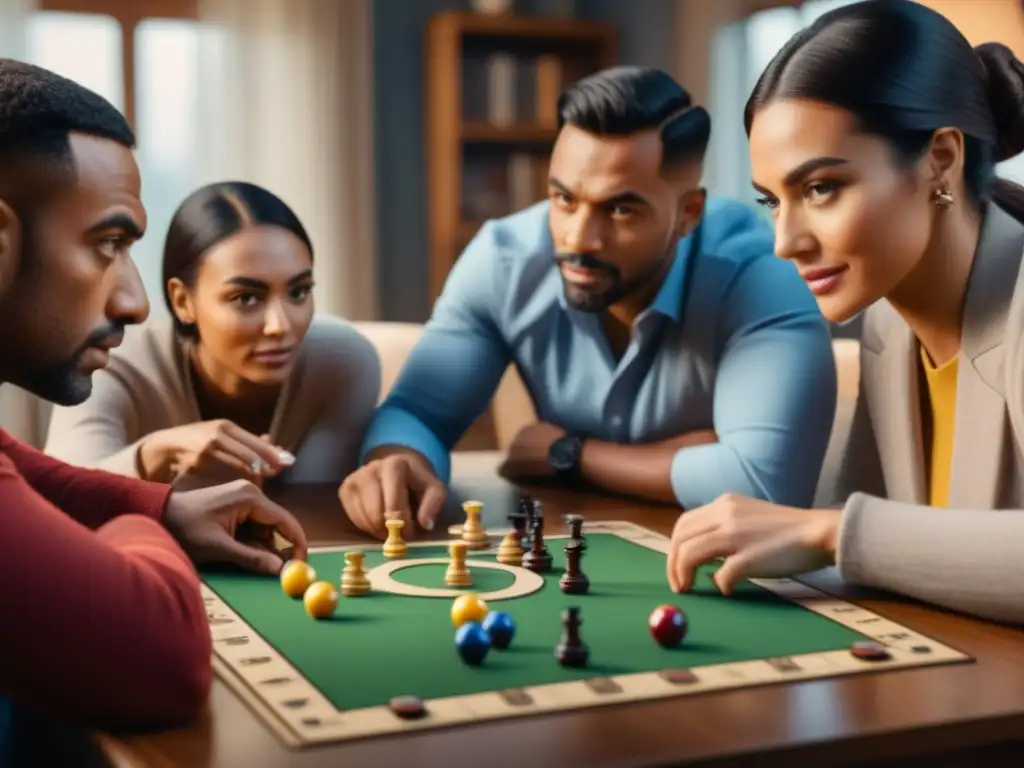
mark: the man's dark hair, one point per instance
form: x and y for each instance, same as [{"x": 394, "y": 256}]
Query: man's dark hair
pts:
[
  {"x": 38, "y": 111},
  {"x": 625, "y": 100}
]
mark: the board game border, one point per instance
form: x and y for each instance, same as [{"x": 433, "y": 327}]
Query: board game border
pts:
[{"x": 304, "y": 718}]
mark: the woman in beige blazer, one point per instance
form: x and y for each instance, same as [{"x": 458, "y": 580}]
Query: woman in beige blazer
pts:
[
  {"x": 242, "y": 379},
  {"x": 873, "y": 138}
]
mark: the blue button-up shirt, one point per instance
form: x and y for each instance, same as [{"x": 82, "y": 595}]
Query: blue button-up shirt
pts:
[{"x": 733, "y": 341}]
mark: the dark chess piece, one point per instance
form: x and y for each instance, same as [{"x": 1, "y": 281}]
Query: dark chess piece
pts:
[
  {"x": 520, "y": 523},
  {"x": 572, "y": 651},
  {"x": 575, "y": 523},
  {"x": 537, "y": 559},
  {"x": 574, "y": 581}
]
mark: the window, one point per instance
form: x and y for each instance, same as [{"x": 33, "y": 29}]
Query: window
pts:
[
  {"x": 83, "y": 47},
  {"x": 89, "y": 49},
  {"x": 167, "y": 77}
]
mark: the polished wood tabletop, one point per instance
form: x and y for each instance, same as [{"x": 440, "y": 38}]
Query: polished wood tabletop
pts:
[{"x": 926, "y": 716}]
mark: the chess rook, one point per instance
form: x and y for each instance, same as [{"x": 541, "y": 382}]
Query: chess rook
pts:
[
  {"x": 395, "y": 546},
  {"x": 353, "y": 579},
  {"x": 473, "y": 532},
  {"x": 575, "y": 523},
  {"x": 458, "y": 574}
]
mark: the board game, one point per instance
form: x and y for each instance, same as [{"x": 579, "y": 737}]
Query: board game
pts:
[{"x": 387, "y": 661}]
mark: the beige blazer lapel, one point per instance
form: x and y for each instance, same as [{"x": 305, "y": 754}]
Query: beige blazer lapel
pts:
[
  {"x": 981, "y": 428},
  {"x": 892, "y": 386}
]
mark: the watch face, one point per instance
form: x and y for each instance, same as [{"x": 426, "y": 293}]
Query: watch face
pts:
[{"x": 564, "y": 452}]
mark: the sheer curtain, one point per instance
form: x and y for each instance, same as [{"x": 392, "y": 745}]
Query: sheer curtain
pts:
[
  {"x": 20, "y": 413},
  {"x": 285, "y": 101}
]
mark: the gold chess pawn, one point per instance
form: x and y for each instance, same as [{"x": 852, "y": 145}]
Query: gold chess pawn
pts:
[
  {"x": 473, "y": 532},
  {"x": 458, "y": 574},
  {"x": 395, "y": 546},
  {"x": 510, "y": 551},
  {"x": 353, "y": 578}
]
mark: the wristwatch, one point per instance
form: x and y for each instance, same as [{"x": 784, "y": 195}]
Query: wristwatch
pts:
[{"x": 564, "y": 455}]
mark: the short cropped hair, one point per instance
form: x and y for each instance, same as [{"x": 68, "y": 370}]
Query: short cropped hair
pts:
[
  {"x": 39, "y": 109},
  {"x": 625, "y": 100}
]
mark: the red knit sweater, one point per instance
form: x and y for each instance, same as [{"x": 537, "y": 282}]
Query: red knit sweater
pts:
[{"x": 101, "y": 617}]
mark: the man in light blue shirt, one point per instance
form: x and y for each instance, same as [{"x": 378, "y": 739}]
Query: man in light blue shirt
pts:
[{"x": 669, "y": 354}]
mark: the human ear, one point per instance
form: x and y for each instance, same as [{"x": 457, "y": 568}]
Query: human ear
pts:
[
  {"x": 944, "y": 160},
  {"x": 10, "y": 247},
  {"x": 689, "y": 209},
  {"x": 181, "y": 302}
]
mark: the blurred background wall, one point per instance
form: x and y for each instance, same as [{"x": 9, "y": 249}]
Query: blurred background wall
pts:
[{"x": 361, "y": 113}]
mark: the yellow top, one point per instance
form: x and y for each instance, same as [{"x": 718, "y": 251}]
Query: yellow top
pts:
[{"x": 942, "y": 402}]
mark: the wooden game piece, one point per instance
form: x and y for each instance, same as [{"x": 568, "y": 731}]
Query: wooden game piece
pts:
[
  {"x": 468, "y": 607},
  {"x": 668, "y": 625},
  {"x": 575, "y": 523},
  {"x": 501, "y": 628},
  {"x": 538, "y": 559},
  {"x": 296, "y": 576},
  {"x": 473, "y": 531},
  {"x": 868, "y": 650},
  {"x": 520, "y": 527},
  {"x": 572, "y": 651},
  {"x": 458, "y": 574},
  {"x": 353, "y": 579},
  {"x": 510, "y": 551},
  {"x": 321, "y": 600},
  {"x": 407, "y": 707},
  {"x": 472, "y": 643},
  {"x": 574, "y": 581},
  {"x": 395, "y": 546}
]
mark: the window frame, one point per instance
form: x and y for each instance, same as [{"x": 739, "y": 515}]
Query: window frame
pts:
[{"x": 128, "y": 13}]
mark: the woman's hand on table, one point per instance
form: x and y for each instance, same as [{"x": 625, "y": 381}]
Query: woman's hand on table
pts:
[{"x": 757, "y": 539}]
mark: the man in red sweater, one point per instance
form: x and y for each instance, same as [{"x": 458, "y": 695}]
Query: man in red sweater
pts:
[{"x": 101, "y": 617}]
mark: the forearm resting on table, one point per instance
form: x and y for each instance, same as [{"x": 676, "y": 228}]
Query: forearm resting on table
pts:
[
  {"x": 90, "y": 496},
  {"x": 642, "y": 470},
  {"x": 965, "y": 560},
  {"x": 106, "y": 628}
]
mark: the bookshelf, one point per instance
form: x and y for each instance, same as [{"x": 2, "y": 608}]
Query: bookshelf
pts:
[{"x": 492, "y": 83}]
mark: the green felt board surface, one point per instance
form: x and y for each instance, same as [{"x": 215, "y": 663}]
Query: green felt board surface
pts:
[{"x": 382, "y": 645}]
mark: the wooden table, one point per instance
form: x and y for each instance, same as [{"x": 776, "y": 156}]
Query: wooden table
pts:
[{"x": 971, "y": 710}]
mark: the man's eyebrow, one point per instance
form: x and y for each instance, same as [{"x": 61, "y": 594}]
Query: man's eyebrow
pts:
[
  {"x": 623, "y": 197},
  {"x": 121, "y": 221}
]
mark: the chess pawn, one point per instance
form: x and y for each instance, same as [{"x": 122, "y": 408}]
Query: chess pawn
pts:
[
  {"x": 458, "y": 574},
  {"x": 510, "y": 551},
  {"x": 473, "y": 532},
  {"x": 395, "y": 546},
  {"x": 353, "y": 578},
  {"x": 538, "y": 559},
  {"x": 574, "y": 581},
  {"x": 572, "y": 651}
]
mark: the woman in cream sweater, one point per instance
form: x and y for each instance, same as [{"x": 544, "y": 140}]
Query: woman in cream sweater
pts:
[
  {"x": 873, "y": 136},
  {"x": 243, "y": 379}
]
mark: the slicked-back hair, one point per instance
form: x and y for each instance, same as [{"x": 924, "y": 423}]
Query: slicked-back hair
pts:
[
  {"x": 39, "y": 110},
  {"x": 622, "y": 101},
  {"x": 214, "y": 213},
  {"x": 905, "y": 71}
]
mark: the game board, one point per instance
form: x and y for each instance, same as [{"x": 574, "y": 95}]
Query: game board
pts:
[{"x": 321, "y": 681}]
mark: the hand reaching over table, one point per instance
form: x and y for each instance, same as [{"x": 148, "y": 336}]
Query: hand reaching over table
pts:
[
  {"x": 232, "y": 523},
  {"x": 757, "y": 539}
]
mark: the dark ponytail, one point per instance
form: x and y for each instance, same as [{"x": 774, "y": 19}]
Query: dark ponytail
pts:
[{"x": 905, "y": 71}]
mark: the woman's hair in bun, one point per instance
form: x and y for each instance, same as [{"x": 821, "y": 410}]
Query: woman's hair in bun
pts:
[
  {"x": 905, "y": 71},
  {"x": 1004, "y": 77}
]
